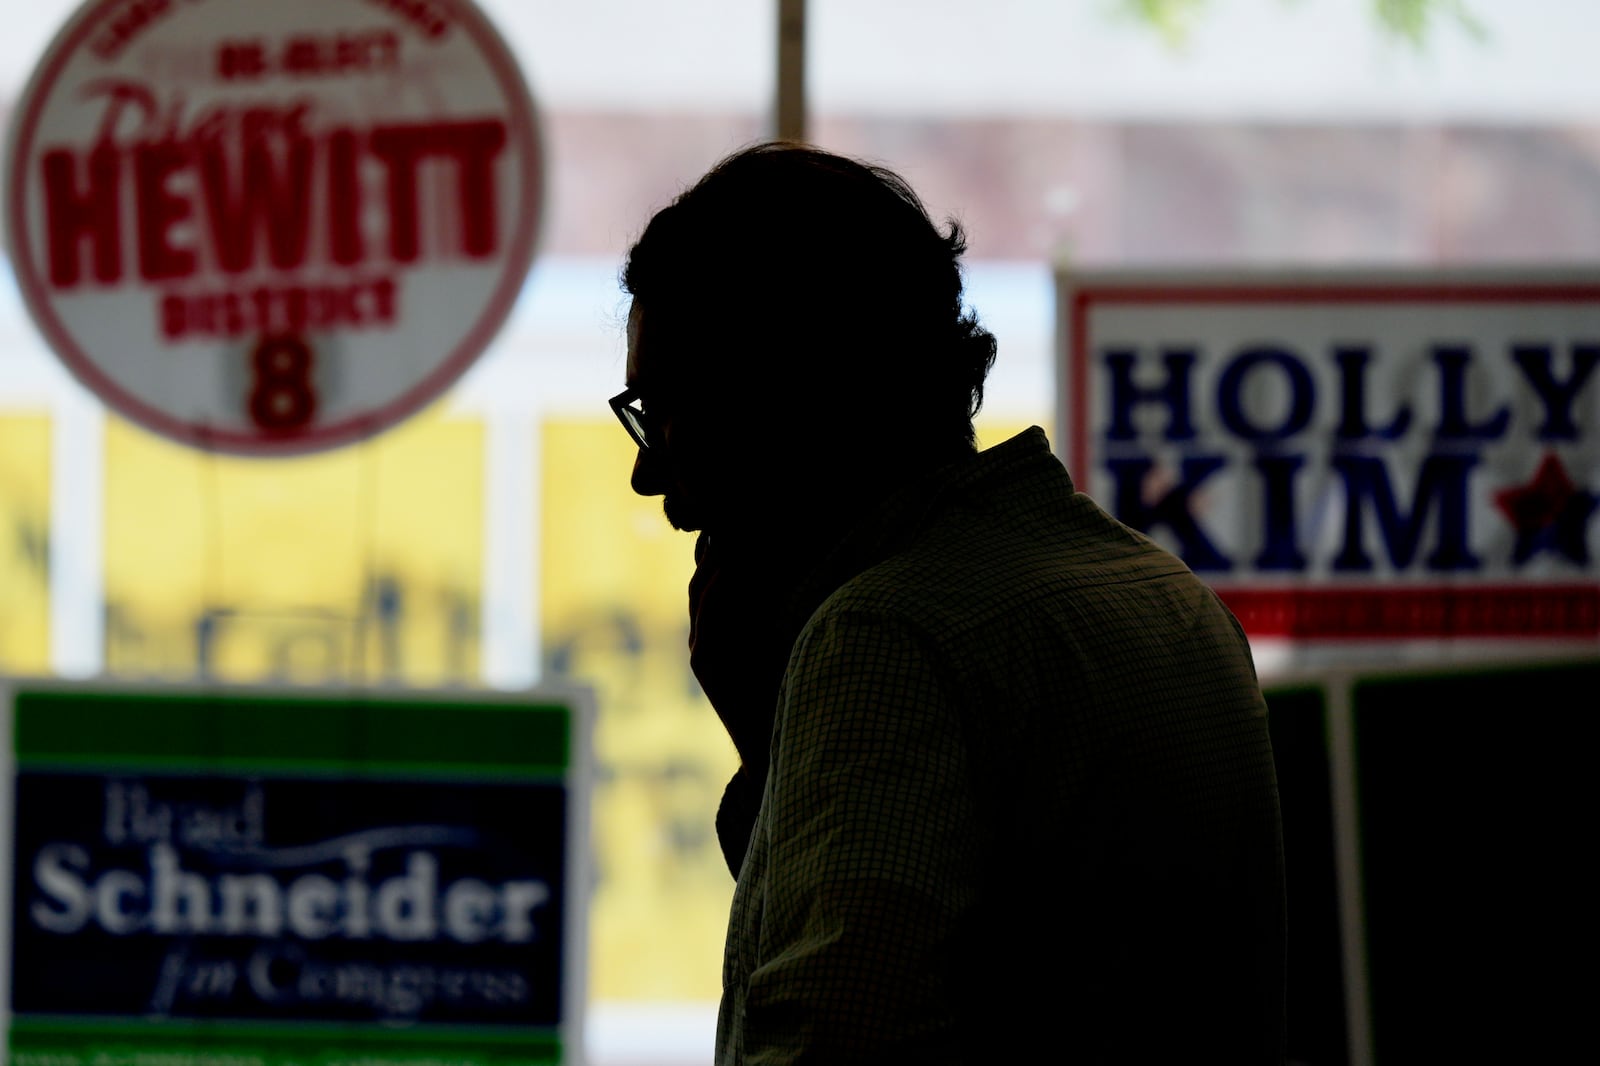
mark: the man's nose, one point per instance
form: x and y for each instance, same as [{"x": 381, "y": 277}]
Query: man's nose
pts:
[{"x": 649, "y": 473}]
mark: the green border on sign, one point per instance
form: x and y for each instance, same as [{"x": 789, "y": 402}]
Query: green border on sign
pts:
[
  {"x": 79, "y": 1041},
  {"x": 229, "y": 731}
]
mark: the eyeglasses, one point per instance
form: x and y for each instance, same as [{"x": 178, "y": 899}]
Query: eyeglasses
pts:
[{"x": 642, "y": 427}]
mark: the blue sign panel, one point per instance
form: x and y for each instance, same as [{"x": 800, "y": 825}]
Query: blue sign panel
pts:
[
  {"x": 285, "y": 878},
  {"x": 260, "y": 898}
]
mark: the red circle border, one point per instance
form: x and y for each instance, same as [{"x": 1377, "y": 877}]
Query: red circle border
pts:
[{"x": 519, "y": 261}]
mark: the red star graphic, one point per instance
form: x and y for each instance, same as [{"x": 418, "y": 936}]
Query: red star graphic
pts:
[
  {"x": 1548, "y": 512},
  {"x": 1539, "y": 501}
]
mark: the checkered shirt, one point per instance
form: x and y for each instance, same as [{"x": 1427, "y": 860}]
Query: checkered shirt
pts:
[{"x": 1021, "y": 805}]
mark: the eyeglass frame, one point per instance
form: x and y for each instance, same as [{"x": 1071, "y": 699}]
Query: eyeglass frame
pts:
[{"x": 640, "y": 426}]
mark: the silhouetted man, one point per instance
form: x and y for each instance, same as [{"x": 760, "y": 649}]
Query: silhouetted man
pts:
[{"x": 1006, "y": 794}]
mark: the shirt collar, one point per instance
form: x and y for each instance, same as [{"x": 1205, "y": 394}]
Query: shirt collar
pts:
[{"x": 892, "y": 524}]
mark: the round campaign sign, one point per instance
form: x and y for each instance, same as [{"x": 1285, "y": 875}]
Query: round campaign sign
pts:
[{"x": 271, "y": 227}]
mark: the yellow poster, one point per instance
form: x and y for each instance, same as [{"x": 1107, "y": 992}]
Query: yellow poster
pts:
[
  {"x": 24, "y": 544},
  {"x": 358, "y": 565},
  {"x": 614, "y": 579}
]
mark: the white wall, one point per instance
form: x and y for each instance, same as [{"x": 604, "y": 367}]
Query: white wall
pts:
[{"x": 1305, "y": 59}]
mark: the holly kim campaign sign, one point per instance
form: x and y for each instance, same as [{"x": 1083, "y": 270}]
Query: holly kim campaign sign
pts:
[
  {"x": 272, "y": 227},
  {"x": 1344, "y": 455},
  {"x": 261, "y": 877}
]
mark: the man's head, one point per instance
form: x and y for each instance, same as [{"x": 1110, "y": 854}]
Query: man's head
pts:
[{"x": 796, "y": 327}]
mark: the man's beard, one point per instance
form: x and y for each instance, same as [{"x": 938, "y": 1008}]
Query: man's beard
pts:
[{"x": 681, "y": 512}]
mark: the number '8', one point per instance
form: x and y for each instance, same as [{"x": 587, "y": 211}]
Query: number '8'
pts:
[{"x": 281, "y": 397}]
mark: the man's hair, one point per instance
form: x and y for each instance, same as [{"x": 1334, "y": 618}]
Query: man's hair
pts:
[{"x": 821, "y": 279}]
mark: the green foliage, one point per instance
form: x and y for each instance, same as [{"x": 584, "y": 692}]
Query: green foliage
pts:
[
  {"x": 1411, "y": 21},
  {"x": 1172, "y": 19}
]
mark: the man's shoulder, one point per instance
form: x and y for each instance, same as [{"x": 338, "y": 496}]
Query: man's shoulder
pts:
[
  {"x": 1011, "y": 576},
  {"x": 1010, "y": 554},
  {"x": 1017, "y": 530},
  {"x": 987, "y": 562}
]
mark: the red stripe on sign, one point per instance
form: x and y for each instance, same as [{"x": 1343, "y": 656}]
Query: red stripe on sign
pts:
[
  {"x": 1462, "y": 611},
  {"x": 1337, "y": 291},
  {"x": 1078, "y": 360}
]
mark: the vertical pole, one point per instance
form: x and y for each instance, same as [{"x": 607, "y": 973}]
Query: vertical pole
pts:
[
  {"x": 510, "y": 645},
  {"x": 791, "y": 104},
  {"x": 1347, "y": 859},
  {"x": 77, "y": 551}
]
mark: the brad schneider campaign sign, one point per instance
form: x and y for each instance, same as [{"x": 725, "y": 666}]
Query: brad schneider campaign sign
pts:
[
  {"x": 1375, "y": 455},
  {"x": 259, "y": 877}
]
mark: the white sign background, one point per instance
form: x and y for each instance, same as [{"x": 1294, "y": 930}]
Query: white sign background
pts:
[
  {"x": 346, "y": 332},
  {"x": 1413, "y": 583}
]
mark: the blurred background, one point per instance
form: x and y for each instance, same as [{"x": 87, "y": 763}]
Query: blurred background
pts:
[{"x": 492, "y": 541}]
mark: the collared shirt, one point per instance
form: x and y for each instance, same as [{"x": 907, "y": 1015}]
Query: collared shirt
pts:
[{"x": 1020, "y": 804}]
